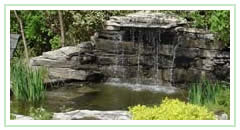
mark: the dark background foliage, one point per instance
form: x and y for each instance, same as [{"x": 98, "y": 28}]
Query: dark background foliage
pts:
[{"x": 42, "y": 27}]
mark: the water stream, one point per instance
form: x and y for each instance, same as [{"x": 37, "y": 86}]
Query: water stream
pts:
[
  {"x": 116, "y": 49},
  {"x": 173, "y": 60},
  {"x": 157, "y": 43},
  {"x": 142, "y": 38},
  {"x": 122, "y": 58}
]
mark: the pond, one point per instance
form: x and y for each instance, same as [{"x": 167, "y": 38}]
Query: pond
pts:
[{"x": 75, "y": 96}]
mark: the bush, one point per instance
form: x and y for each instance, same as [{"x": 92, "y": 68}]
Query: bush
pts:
[
  {"x": 220, "y": 24},
  {"x": 217, "y": 21},
  {"x": 27, "y": 84},
  {"x": 171, "y": 109},
  {"x": 42, "y": 27},
  {"x": 55, "y": 42}
]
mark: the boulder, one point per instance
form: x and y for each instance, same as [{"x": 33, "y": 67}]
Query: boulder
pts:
[
  {"x": 222, "y": 116},
  {"x": 22, "y": 117},
  {"x": 68, "y": 74},
  {"x": 92, "y": 115},
  {"x": 68, "y": 63}
]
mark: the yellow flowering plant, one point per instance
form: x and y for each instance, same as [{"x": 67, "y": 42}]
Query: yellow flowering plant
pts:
[{"x": 171, "y": 109}]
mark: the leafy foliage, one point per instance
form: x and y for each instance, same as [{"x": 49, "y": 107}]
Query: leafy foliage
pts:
[
  {"x": 55, "y": 42},
  {"x": 85, "y": 23},
  {"x": 171, "y": 109},
  {"x": 220, "y": 24},
  {"x": 35, "y": 28},
  {"x": 42, "y": 28},
  {"x": 217, "y": 21}
]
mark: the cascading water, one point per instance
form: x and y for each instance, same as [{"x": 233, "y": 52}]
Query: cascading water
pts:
[
  {"x": 122, "y": 56},
  {"x": 133, "y": 33},
  {"x": 138, "y": 64},
  {"x": 157, "y": 43},
  {"x": 139, "y": 51},
  {"x": 116, "y": 51},
  {"x": 173, "y": 60},
  {"x": 142, "y": 39}
]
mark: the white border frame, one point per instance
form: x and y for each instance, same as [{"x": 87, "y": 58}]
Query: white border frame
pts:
[{"x": 118, "y": 122}]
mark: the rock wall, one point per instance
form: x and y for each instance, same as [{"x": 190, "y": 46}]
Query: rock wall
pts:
[{"x": 142, "y": 48}]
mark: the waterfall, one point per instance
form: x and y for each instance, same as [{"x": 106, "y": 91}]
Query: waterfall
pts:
[
  {"x": 116, "y": 51},
  {"x": 138, "y": 64},
  {"x": 173, "y": 59},
  {"x": 140, "y": 38},
  {"x": 157, "y": 43},
  {"x": 122, "y": 55},
  {"x": 139, "y": 42},
  {"x": 119, "y": 58}
]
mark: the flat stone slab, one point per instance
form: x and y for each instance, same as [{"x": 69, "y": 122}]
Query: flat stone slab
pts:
[
  {"x": 22, "y": 117},
  {"x": 92, "y": 115},
  {"x": 146, "y": 20}
]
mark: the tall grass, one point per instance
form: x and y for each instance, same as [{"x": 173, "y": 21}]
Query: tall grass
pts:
[
  {"x": 214, "y": 95},
  {"x": 26, "y": 83}
]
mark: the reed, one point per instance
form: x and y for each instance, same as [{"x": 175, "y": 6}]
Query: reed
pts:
[
  {"x": 214, "y": 95},
  {"x": 26, "y": 83}
]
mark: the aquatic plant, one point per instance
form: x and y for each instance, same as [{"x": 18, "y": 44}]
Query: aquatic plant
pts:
[
  {"x": 26, "y": 83},
  {"x": 12, "y": 116},
  {"x": 215, "y": 96},
  {"x": 40, "y": 114},
  {"x": 171, "y": 109}
]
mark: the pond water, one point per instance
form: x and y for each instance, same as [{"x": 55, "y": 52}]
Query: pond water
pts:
[{"x": 74, "y": 96}]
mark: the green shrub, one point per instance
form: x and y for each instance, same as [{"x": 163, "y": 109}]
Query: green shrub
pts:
[
  {"x": 215, "y": 96},
  {"x": 27, "y": 84},
  {"x": 171, "y": 109},
  {"x": 217, "y": 21},
  {"x": 42, "y": 27},
  {"x": 220, "y": 24},
  {"x": 55, "y": 42},
  {"x": 12, "y": 116},
  {"x": 40, "y": 114}
]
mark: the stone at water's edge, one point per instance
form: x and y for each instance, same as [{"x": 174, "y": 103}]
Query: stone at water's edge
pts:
[
  {"x": 22, "y": 117},
  {"x": 92, "y": 115},
  {"x": 222, "y": 116},
  {"x": 96, "y": 115}
]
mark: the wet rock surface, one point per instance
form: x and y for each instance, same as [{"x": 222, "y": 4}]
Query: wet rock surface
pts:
[{"x": 144, "y": 48}]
